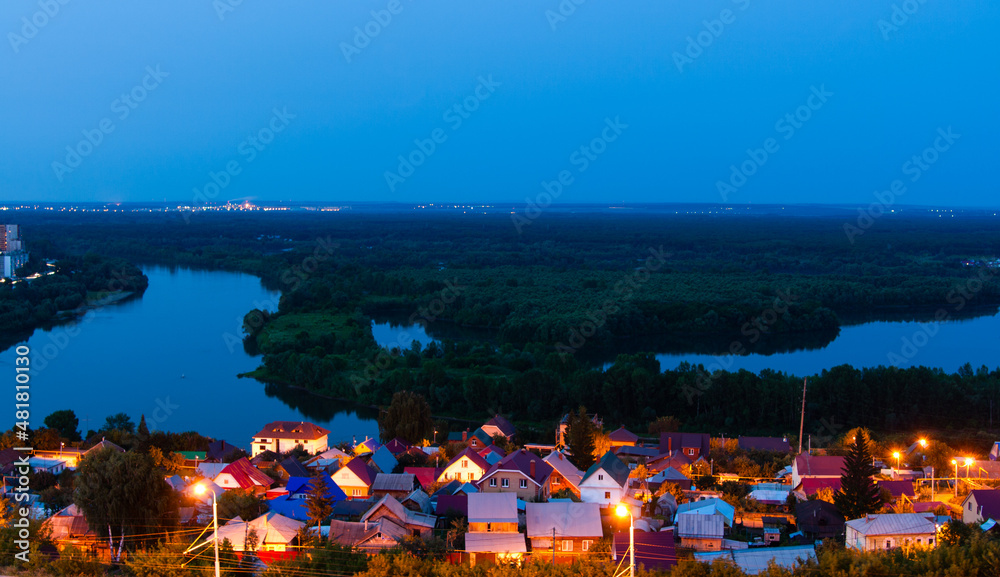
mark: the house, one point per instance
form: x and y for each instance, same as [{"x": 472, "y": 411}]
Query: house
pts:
[
  {"x": 668, "y": 475},
  {"x": 283, "y": 436},
  {"x": 663, "y": 461},
  {"x": 981, "y": 505},
  {"x": 382, "y": 460},
  {"x": 521, "y": 472},
  {"x": 452, "y": 505},
  {"x": 890, "y": 530},
  {"x": 292, "y": 503},
  {"x": 605, "y": 482},
  {"x": 369, "y": 537},
  {"x": 622, "y": 437},
  {"x": 275, "y": 534},
  {"x": 367, "y": 446},
  {"x": 564, "y": 426},
  {"x": 492, "y": 454},
  {"x": 898, "y": 489},
  {"x": 819, "y": 519},
  {"x": 69, "y": 456},
  {"x": 811, "y": 486},
  {"x": 466, "y": 466},
  {"x": 654, "y": 551},
  {"x": 332, "y": 458},
  {"x": 398, "y": 446},
  {"x": 564, "y": 475},
  {"x": 103, "y": 444},
  {"x": 220, "y": 451},
  {"x": 41, "y": 465},
  {"x": 418, "y": 501},
  {"x": 240, "y": 474},
  {"x": 425, "y": 476},
  {"x": 415, "y": 524},
  {"x": 478, "y": 439},
  {"x": 701, "y": 532},
  {"x": 498, "y": 425},
  {"x": 694, "y": 446},
  {"x": 290, "y": 467},
  {"x": 355, "y": 478},
  {"x": 493, "y": 534},
  {"x": 576, "y": 526},
  {"x": 816, "y": 467},
  {"x": 773, "y": 444},
  {"x": 756, "y": 561},
  {"x": 69, "y": 528},
  {"x": 713, "y": 506},
  {"x": 398, "y": 485}
]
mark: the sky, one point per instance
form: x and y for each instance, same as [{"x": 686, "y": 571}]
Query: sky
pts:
[{"x": 507, "y": 101}]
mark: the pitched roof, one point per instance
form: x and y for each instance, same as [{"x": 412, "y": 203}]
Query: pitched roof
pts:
[
  {"x": 569, "y": 519},
  {"x": 812, "y": 485},
  {"x": 383, "y": 460},
  {"x": 291, "y": 430},
  {"x": 245, "y": 474},
  {"x": 521, "y": 462},
  {"x": 219, "y": 450},
  {"x": 470, "y": 454},
  {"x": 394, "y": 482},
  {"x": 452, "y": 505},
  {"x": 558, "y": 461},
  {"x": 400, "y": 512},
  {"x": 397, "y": 446},
  {"x": 679, "y": 441},
  {"x": 294, "y": 468},
  {"x": 815, "y": 515},
  {"x": 708, "y": 507},
  {"x": 503, "y": 424},
  {"x": 755, "y": 561},
  {"x": 654, "y": 550},
  {"x": 495, "y": 542},
  {"x": 898, "y": 488},
  {"x": 303, "y": 485},
  {"x": 893, "y": 524},
  {"x": 623, "y": 435},
  {"x": 988, "y": 500},
  {"x": 776, "y": 444},
  {"x": 701, "y": 526},
  {"x": 819, "y": 466},
  {"x": 493, "y": 508},
  {"x": 104, "y": 444},
  {"x": 424, "y": 475},
  {"x": 366, "y": 446},
  {"x": 419, "y": 498},
  {"x": 611, "y": 465},
  {"x": 361, "y": 469},
  {"x": 271, "y": 528}
]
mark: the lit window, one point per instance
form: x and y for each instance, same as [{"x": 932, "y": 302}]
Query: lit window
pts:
[
  {"x": 607, "y": 494},
  {"x": 585, "y": 545},
  {"x": 465, "y": 463},
  {"x": 524, "y": 484},
  {"x": 355, "y": 492},
  {"x": 567, "y": 545},
  {"x": 505, "y": 482}
]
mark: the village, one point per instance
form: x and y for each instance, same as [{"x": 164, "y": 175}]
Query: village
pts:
[{"x": 482, "y": 497}]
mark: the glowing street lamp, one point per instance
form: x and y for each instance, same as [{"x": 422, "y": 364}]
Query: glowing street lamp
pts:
[
  {"x": 896, "y": 455},
  {"x": 968, "y": 463},
  {"x": 621, "y": 510},
  {"x": 200, "y": 489},
  {"x": 955, "y": 462},
  {"x": 923, "y": 443}
]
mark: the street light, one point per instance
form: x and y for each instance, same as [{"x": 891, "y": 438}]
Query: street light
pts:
[
  {"x": 200, "y": 489},
  {"x": 621, "y": 510},
  {"x": 955, "y": 462},
  {"x": 923, "y": 443},
  {"x": 968, "y": 463},
  {"x": 896, "y": 454}
]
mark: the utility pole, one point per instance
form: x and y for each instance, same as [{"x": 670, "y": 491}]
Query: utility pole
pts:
[
  {"x": 553, "y": 546},
  {"x": 802, "y": 420}
]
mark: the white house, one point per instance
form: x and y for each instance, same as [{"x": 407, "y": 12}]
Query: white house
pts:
[
  {"x": 891, "y": 530},
  {"x": 605, "y": 482},
  {"x": 283, "y": 436}
]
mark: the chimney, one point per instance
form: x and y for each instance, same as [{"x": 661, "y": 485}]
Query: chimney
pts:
[
  {"x": 670, "y": 446},
  {"x": 531, "y": 469},
  {"x": 465, "y": 435}
]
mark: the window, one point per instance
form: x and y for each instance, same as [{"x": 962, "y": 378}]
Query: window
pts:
[
  {"x": 970, "y": 505},
  {"x": 263, "y": 447},
  {"x": 355, "y": 492},
  {"x": 600, "y": 477},
  {"x": 493, "y": 482},
  {"x": 465, "y": 463},
  {"x": 585, "y": 545},
  {"x": 567, "y": 545},
  {"x": 888, "y": 543},
  {"x": 607, "y": 494},
  {"x": 919, "y": 540},
  {"x": 691, "y": 452},
  {"x": 505, "y": 482},
  {"x": 524, "y": 484},
  {"x": 930, "y": 541}
]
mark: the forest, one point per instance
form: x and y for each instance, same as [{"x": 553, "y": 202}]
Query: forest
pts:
[{"x": 533, "y": 308}]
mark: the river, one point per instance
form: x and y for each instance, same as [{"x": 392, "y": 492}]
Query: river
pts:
[{"x": 173, "y": 355}]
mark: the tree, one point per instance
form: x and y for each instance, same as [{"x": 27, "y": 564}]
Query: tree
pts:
[
  {"x": 664, "y": 425},
  {"x": 66, "y": 423},
  {"x": 242, "y": 503},
  {"x": 408, "y": 417},
  {"x": 319, "y": 501},
  {"x": 858, "y": 495},
  {"x": 123, "y": 494},
  {"x": 118, "y": 422},
  {"x": 580, "y": 439}
]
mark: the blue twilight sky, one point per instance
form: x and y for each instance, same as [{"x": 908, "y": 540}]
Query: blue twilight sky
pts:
[{"x": 534, "y": 81}]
